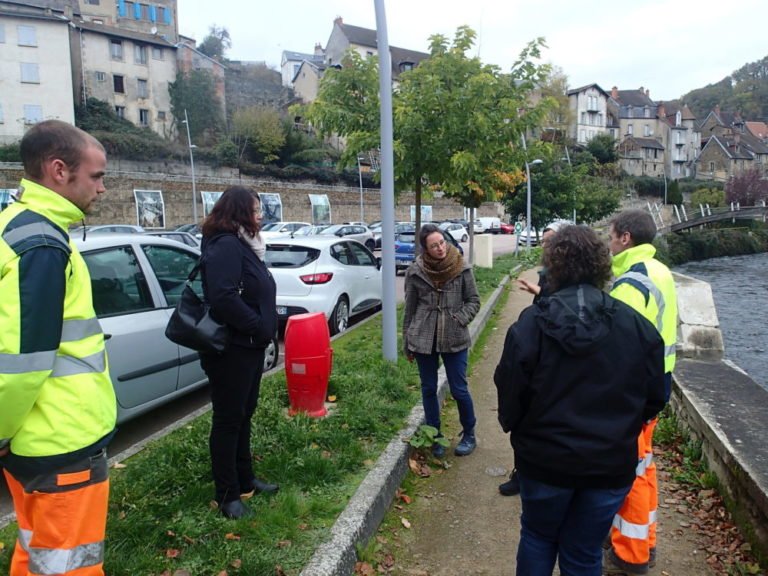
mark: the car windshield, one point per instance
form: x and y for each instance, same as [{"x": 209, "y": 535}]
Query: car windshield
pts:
[
  {"x": 407, "y": 238},
  {"x": 270, "y": 226},
  {"x": 331, "y": 229},
  {"x": 289, "y": 256}
]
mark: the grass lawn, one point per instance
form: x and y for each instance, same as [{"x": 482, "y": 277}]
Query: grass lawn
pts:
[{"x": 160, "y": 518}]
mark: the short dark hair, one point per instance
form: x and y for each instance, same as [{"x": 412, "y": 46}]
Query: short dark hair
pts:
[
  {"x": 639, "y": 224},
  {"x": 576, "y": 255},
  {"x": 53, "y": 139},
  {"x": 424, "y": 233},
  {"x": 234, "y": 210}
]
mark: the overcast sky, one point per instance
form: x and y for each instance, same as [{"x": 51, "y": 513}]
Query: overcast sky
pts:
[{"x": 667, "y": 46}]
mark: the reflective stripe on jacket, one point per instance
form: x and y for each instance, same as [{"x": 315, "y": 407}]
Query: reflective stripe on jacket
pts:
[
  {"x": 647, "y": 285},
  {"x": 56, "y": 397}
]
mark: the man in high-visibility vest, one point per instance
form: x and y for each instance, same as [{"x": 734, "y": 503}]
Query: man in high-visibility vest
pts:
[
  {"x": 647, "y": 285},
  {"x": 57, "y": 404}
]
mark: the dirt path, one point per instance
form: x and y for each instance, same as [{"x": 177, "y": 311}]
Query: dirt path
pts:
[{"x": 460, "y": 525}]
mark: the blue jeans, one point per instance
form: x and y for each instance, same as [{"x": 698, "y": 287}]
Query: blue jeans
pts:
[
  {"x": 565, "y": 523},
  {"x": 456, "y": 371}
]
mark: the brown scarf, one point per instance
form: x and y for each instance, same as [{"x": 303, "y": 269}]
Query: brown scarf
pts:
[{"x": 441, "y": 271}]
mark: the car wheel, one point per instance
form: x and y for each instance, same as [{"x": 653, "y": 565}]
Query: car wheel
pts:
[
  {"x": 370, "y": 244},
  {"x": 271, "y": 354},
  {"x": 340, "y": 316},
  {"x": 464, "y": 238}
]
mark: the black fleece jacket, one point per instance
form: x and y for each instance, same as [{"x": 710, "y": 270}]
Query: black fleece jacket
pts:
[
  {"x": 580, "y": 373},
  {"x": 252, "y": 314}
]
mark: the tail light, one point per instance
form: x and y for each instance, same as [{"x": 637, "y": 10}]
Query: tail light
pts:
[{"x": 321, "y": 278}]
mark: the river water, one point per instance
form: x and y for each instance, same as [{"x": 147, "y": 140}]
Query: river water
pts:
[{"x": 740, "y": 288}]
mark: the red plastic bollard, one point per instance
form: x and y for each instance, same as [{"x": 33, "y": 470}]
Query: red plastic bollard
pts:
[{"x": 308, "y": 363}]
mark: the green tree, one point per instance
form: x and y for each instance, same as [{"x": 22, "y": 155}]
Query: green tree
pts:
[
  {"x": 603, "y": 148},
  {"x": 260, "y": 130},
  {"x": 712, "y": 196},
  {"x": 347, "y": 105},
  {"x": 459, "y": 122},
  {"x": 216, "y": 43},
  {"x": 196, "y": 93},
  {"x": 558, "y": 188},
  {"x": 674, "y": 196}
]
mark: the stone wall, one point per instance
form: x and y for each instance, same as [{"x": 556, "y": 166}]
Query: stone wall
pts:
[
  {"x": 119, "y": 206},
  {"x": 724, "y": 409}
]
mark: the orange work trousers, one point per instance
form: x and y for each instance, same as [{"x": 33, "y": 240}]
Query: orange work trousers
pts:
[
  {"x": 62, "y": 519},
  {"x": 633, "y": 535}
]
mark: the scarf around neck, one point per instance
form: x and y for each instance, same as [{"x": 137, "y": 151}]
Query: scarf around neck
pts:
[
  {"x": 255, "y": 242},
  {"x": 441, "y": 271}
]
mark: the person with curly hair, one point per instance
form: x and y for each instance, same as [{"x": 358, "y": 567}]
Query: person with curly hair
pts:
[{"x": 579, "y": 374}]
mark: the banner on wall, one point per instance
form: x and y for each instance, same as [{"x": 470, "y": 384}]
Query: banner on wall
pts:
[
  {"x": 271, "y": 207},
  {"x": 321, "y": 209},
  {"x": 209, "y": 199},
  {"x": 7, "y": 197},
  {"x": 426, "y": 213},
  {"x": 150, "y": 208}
]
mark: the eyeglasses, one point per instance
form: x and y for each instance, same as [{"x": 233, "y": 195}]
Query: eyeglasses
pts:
[
  {"x": 436, "y": 245},
  {"x": 258, "y": 211}
]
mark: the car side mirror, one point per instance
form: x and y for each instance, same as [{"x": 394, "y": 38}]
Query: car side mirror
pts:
[
  {"x": 339, "y": 234},
  {"x": 378, "y": 263}
]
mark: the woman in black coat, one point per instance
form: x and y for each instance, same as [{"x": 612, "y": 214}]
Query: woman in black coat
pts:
[{"x": 241, "y": 292}]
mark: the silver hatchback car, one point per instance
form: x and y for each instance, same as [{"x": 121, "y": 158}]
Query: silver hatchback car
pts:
[{"x": 137, "y": 280}]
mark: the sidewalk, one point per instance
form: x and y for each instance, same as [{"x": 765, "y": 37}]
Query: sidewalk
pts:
[{"x": 460, "y": 525}]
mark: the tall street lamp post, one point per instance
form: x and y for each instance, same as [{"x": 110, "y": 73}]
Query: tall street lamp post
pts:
[
  {"x": 528, "y": 202},
  {"x": 360, "y": 175},
  {"x": 192, "y": 164}
]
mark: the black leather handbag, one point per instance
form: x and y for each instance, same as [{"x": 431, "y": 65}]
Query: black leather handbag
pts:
[{"x": 191, "y": 324}]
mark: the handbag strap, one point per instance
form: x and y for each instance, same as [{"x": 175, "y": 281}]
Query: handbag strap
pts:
[{"x": 196, "y": 269}]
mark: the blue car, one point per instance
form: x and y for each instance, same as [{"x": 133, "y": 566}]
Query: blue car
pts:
[{"x": 405, "y": 244}]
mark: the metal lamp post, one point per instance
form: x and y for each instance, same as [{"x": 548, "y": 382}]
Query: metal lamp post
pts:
[
  {"x": 360, "y": 176},
  {"x": 528, "y": 202},
  {"x": 192, "y": 164}
]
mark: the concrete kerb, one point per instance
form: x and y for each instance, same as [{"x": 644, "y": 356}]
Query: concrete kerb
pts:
[{"x": 367, "y": 507}]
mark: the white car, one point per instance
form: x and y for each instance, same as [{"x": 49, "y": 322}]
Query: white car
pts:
[
  {"x": 478, "y": 227},
  {"x": 137, "y": 280},
  {"x": 458, "y": 231},
  {"x": 336, "y": 276},
  {"x": 275, "y": 229},
  {"x": 356, "y": 232}
]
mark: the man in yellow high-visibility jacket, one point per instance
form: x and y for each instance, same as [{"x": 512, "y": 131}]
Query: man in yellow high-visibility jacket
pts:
[
  {"x": 57, "y": 404},
  {"x": 647, "y": 285}
]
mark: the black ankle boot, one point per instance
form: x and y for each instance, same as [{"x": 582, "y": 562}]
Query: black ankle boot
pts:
[
  {"x": 260, "y": 486},
  {"x": 234, "y": 509}
]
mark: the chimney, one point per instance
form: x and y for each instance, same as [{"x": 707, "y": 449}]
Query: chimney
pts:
[
  {"x": 615, "y": 93},
  {"x": 647, "y": 93},
  {"x": 662, "y": 111},
  {"x": 319, "y": 49},
  {"x": 736, "y": 140},
  {"x": 339, "y": 20},
  {"x": 717, "y": 109},
  {"x": 642, "y": 90}
]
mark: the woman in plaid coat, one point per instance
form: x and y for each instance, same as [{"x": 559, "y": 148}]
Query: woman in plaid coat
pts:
[{"x": 440, "y": 301}]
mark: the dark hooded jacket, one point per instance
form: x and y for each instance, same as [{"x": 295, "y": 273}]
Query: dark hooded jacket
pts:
[{"x": 580, "y": 373}]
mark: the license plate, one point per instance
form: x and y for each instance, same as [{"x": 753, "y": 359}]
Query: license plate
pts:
[
  {"x": 402, "y": 261},
  {"x": 282, "y": 310}
]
